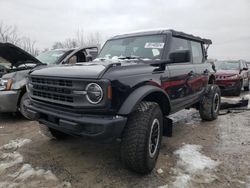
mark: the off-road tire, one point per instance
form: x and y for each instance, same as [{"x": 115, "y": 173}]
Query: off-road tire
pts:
[
  {"x": 135, "y": 150},
  {"x": 52, "y": 133},
  {"x": 246, "y": 88},
  {"x": 22, "y": 106},
  {"x": 210, "y": 103}
]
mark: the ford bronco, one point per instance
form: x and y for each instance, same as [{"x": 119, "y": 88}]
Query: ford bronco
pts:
[{"x": 127, "y": 93}]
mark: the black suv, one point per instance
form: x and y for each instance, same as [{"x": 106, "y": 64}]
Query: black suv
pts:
[{"x": 127, "y": 93}]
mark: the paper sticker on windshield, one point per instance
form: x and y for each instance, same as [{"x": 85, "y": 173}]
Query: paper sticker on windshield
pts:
[{"x": 154, "y": 45}]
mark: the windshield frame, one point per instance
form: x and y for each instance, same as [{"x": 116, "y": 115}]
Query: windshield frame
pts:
[{"x": 162, "y": 56}]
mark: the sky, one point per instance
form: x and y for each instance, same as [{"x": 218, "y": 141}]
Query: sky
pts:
[{"x": 226, "y": 22}]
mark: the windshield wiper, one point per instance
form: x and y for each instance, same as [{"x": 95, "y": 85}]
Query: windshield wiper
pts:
[{"x": 130, "y": 57}]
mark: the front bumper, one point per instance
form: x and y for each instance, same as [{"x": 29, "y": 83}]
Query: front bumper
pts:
[
  {"x": 228, "y": 85},
  {"x": 91, "y": 126},
  {"x": 9, "y": 100}
]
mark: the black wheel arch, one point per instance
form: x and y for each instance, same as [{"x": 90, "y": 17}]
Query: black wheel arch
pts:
[
  {"x": 211, "y": 79},
  {"x": 146, "y": 93}
]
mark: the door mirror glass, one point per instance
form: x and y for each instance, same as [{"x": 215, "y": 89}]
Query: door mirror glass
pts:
[{"x": 180, "y": 56}]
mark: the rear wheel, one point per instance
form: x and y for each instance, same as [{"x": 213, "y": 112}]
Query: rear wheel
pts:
[
  {"x": 141, "y": 138},
  {"x": 210, "y": 103}
]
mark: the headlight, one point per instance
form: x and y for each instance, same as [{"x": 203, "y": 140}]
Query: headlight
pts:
[
  {"x": 94, "y": 93},
  {"x": 5, "y": 84},
  {"x": 234, "y": 77}
]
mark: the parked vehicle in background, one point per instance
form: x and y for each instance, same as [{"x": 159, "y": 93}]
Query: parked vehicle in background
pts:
[
  {"x": 232, "y": 76},
  {"x": 127, "y": 92},
  {"x": 248, "y": 64},
  {"x": 2, "y": 70},
  {"x": 15, "y": 64}
]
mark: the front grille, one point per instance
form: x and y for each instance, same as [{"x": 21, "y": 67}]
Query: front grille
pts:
[
  {"x": 62, "y": 92},
  {"x": 56, "y": 82},
  {"x": 53, "y": 96},
  {"x": 52, "y": 90}
]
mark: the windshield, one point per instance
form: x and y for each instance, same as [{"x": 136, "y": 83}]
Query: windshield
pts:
[
  {"x": 227, "y": 65},
  {"x": 51, "y": 57},
  {"x": 145, "y": 47}
]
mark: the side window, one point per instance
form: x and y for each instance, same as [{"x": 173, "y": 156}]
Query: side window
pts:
[
  {"x": 179, "y": 44},
  {"x": 197, "y": 52}
]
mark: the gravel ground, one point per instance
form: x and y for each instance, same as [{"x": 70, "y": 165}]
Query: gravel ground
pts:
[{"x": 200, "y": 154}]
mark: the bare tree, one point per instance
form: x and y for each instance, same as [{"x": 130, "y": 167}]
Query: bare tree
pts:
[
  {"x": 9, "y": 33},
  {"x": 29, "y": 45},
  {"x": 80, "y": 40},
  {"x": 57, "y": 45}
]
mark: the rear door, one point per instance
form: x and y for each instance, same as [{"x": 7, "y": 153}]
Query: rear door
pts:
[
  {"x": 181, "y": 75},
  {"x": 201, "y": 68}
]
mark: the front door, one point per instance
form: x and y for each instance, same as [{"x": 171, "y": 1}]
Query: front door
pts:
[{"x": 181, "y": 75}]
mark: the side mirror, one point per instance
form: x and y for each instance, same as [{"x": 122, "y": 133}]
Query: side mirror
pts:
[
  {"x": 179, "y": 56},
  {"x": 214, "y": 68},
  {"x": 245, "y": 69}
]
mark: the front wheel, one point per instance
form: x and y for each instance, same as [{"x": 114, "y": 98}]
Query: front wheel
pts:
[
  {"x": 210, "y": 103},
  {"x": 23, "y": 106},
  {"x": 141, "y": 139}
]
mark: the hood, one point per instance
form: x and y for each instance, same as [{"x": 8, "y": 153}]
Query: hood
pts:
[
  {"x": 227, "y": 72},
  {"x": 16, "y": 56},
  {"x": 84, "y": 70},
  {"x": 96, "y": 69}
]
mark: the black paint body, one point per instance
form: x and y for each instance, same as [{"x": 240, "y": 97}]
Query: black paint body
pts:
[{"x": 174, "y": 86}]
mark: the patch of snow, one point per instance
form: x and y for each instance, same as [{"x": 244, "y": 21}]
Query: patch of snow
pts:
[
  {"x": 247, "y": 97},
  {"x": 27, "y": 172},
  {"x": 159, "y": 171},
  {"x": 7, "y": 184},
  {"x": 231, "y": 98},
  {"x": 191, "y": 160},
  {"x": 9, "y": 159},
  {"x": 163, "y": 186},
  {"x": 26, "y": 176},
  {"x": 181, "y": 181},
  {"x": 15, "y": 144},
  {"x": 248, "y": 182},
  {"x": 192, "y": 166}
]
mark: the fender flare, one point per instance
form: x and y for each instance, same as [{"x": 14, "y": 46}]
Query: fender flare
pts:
[{"x": 131, "y": 102}]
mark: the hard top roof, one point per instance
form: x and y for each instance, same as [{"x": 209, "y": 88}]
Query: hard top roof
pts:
[{"x": 164, "y": 31}]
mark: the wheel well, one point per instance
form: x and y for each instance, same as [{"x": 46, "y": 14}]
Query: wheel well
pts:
[
  {"x": 211, "y": 79},
  {"x": 23, "y": 91},
  {"x": 161, "y": 100}
]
